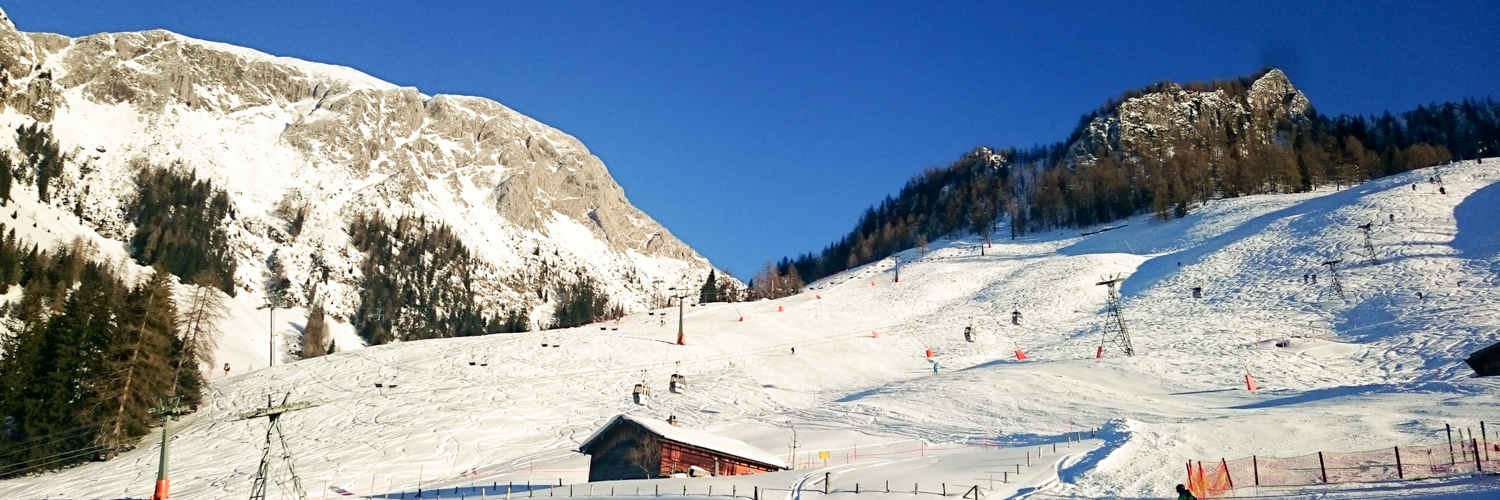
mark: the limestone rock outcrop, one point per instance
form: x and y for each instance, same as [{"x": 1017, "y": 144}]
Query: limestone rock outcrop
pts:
[{"x": 530, "y": 200}]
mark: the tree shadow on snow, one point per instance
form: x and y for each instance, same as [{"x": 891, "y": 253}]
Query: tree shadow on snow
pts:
[
  {"x": 1315, "y": 395},
  {"x": 1478, "y": 218}
]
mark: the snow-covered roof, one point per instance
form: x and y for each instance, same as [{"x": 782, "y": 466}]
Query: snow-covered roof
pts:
[{"x": 692, "y": 437}]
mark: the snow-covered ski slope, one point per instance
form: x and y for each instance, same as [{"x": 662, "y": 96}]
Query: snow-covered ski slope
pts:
[{"x": 1379, "y": 367}]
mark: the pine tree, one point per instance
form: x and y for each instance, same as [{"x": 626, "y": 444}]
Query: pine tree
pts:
[
  {"x": 20, "y": 366},
  {"x": 710, "y": 290},
  {"x": 141, "y": 363},
  {"x": 203, "y": 309},
  {"x": 7, "y": 170},
  {"x": 315, "y": 334}
]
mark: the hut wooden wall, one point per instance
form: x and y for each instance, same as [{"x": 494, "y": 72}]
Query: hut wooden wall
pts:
[
  {"x": 627, "y": 452},
  {"x": 679, "y": 458}
]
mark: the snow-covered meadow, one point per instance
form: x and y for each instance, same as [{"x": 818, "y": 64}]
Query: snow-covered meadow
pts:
[{"x": 1379, "y": 367}]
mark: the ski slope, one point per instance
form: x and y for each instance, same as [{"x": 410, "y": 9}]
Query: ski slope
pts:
[{"x": 1378, "y": 367}]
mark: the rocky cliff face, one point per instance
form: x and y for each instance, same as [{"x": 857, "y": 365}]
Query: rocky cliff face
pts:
[
  {"x": 529, "y": 200},
  {"x": 1148, "y": 121}
]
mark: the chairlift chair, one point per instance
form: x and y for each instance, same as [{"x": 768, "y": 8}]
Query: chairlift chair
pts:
[
  {"x": 1015, "y": 317},
  {"x": 969, "y": 333},
  {"x": 641, "y": 394},
  {"x": 678, "y": 384}
]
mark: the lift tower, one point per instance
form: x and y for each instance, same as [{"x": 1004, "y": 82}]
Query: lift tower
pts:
[
  {"x": 1333, "y": 269},
  {"x": 275, "y": 435},
  {"x": 1369, "y": 243},
  {"x": 1114, "y": 327}
]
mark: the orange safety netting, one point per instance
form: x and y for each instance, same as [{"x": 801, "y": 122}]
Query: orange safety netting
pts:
[
  {"x": 1214, "y": 478},
  {"x": 1209, "y": 481}
]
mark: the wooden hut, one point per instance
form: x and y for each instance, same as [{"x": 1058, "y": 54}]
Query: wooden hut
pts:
[
  {"x": 1485, "y": 362},
  {"x": 639, "y": 448}
]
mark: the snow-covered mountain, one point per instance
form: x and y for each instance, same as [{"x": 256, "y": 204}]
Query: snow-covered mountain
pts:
[
  {"x": 844, "y": 370},
  {"x": 284, "y": 136}
]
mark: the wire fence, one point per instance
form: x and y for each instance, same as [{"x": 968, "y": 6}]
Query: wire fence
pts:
[
  {"x": 1460, "y": 456},
  {"x": 820, "y": 485}
]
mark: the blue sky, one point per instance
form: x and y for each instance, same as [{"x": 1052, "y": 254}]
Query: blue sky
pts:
[{"x": 756, "y": 130}]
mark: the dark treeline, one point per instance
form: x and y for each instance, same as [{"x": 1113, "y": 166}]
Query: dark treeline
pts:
[
  {"x": 582, "y": 302},
  {"x": 418, "y": 283},
  {"x": 88, "y": 358},
  {"x": 41, "y": 161},
  {"x": 1058, "y": 186},
  {"x": 177, "y": 227}
]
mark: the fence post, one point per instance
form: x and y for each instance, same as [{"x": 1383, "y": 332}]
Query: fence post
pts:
[
  {"x": 856, "y": 488},
  {"x": 1451, "y": 459},
  {"x": 1225, "y": 462},
  {"x": 887, "y": 486},
  {"x": 1399, "y": 474},
  {"x": 756, "y": 492},
  {"x": 827, "y": 478},
  {"x": 945, "y": 489},
  {"x": 1322, "y": 467},
  {"x": 1477, "y": 466},
  {"x": 1485, "y": 437},
  {"x": 1255, "y": 466}
]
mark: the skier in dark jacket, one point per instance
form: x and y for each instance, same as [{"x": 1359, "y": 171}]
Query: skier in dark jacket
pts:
[{"x": 1184, "y": 494}]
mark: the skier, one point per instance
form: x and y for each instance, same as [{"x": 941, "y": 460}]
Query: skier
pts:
[
  {"x": 794, "y": 349},
  {"x": 1441, "y": 190},
  {"x": 226, "y": 369},
  {"x": 1184, "y": 494},
  {"x": 934, "y": 367},
  {"x": 1393, "y": 217}
]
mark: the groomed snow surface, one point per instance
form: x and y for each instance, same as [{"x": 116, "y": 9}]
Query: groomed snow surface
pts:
[{"x": 1380, "y": 367}]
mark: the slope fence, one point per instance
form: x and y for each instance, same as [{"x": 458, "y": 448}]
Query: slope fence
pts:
[{"x": 1461, "y": 456}]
